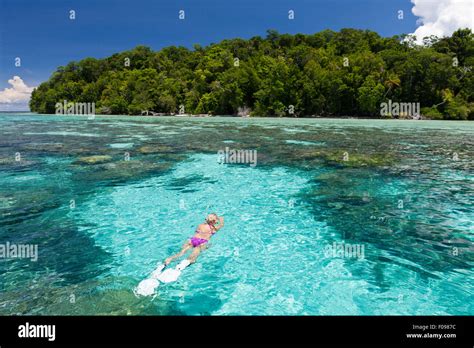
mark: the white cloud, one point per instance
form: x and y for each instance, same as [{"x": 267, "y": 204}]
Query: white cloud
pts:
[
  {"x": 19, "y": 93},
  {"x": 442, "y": 17}
]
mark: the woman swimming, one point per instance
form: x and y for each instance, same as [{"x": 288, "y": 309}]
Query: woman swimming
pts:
[{"x": 201, "y": 237}]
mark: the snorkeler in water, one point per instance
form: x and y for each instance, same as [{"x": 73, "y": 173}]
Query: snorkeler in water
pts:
[{"x": 198, "y": 242}]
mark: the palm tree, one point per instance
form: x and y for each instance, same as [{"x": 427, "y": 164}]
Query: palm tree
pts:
[{"x": 391, "y": 82}]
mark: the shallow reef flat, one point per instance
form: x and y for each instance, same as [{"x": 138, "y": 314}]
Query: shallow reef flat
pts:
[{"x": 108, "y": 198}]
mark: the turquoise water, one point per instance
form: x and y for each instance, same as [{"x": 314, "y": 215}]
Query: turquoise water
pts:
[{"x": 401, "y": 191}]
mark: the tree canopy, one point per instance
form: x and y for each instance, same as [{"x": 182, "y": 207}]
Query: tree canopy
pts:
[{"x": 345, "y": 73}]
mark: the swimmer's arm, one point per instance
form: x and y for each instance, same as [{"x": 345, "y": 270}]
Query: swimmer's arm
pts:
[{"x": 221, "y": 223}]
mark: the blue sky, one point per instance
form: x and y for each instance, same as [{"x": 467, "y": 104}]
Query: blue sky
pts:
[{"x": 42, "y": 35}]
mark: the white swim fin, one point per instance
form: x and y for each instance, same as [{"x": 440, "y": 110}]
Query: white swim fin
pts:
[
  {"x": 146, "y": 287},
  {"x": 171, "y": 275},
  {"x": 183, "y": 264},
  {"x": 156, "y": 273}
]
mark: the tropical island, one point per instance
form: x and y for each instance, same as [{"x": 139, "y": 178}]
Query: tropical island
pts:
[{"x": 350, "y": 73}]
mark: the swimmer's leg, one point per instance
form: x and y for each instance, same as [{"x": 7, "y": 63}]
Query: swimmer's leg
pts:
[
  {"x": 186, "y": 246},
  {"x": 194, "y": 255}
]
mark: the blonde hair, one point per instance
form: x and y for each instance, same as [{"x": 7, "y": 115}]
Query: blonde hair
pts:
[{"x": 211, "y": 214}]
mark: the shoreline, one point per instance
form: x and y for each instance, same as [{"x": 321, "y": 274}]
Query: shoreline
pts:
[{"x": 422, "y": 118}]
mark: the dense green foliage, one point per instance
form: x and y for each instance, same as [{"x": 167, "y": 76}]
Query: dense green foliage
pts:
[{"x": 346, "y": 73}]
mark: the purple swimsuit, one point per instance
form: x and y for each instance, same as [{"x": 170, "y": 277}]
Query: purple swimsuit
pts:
[{"x": 196, "y": 241}]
